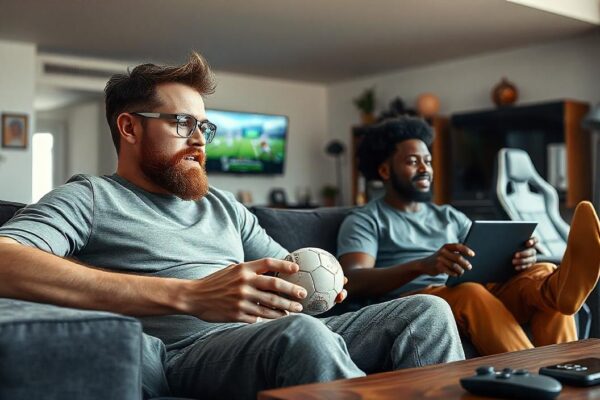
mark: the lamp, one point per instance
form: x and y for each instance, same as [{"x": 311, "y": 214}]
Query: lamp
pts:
[
  {"x": 592, "y": 122},
  {"x": 335, "y": 148}
]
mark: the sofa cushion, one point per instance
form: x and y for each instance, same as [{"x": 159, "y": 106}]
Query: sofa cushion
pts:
[
  {"x": 8, "y": 209},
  {"x": 294, "y": 229},
  {"x": 50, "y": 352}
]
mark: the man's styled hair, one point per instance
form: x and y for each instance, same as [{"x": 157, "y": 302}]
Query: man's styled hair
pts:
[
  {"x": 136, "y": 90},
  {"x": 379, "y": 141}
]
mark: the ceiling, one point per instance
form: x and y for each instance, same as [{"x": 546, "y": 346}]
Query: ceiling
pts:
[{"x": 320, "y": 41}]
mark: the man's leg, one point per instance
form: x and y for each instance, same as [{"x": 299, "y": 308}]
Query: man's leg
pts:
[
  {"x": 548, "y": 296},
  {"x": 552, "y": 328},
  {"x": 483, "y": 318},
  {"x": 154, "y": 380},
  {"x": 568, "y": 288},
  {"x": 239, "y": 362},
  {"x": 408, "y": 332},
  {"x": 522, "y": 296}
]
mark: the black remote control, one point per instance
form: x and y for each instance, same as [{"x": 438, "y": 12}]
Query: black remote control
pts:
[
  {"x": 582, "y": 372},
  {"x": 512, "y": 384}
]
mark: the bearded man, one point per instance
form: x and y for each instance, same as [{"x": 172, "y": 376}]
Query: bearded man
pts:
[
  {"x": 403, "y": 244},
  {"x": 155, "y": 241}
]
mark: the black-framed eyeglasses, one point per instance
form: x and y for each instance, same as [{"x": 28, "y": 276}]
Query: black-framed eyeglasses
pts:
[{"x": 186, "y": 124}]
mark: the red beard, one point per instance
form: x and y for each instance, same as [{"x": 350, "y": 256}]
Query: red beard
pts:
[{"x": 173, "y": 175}]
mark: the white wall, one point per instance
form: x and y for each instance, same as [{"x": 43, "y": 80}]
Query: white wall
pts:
[
  {"x": 559, "y": 70},
  {"x": 81, "y": 139},
  {"x": 17, "y": 90}
]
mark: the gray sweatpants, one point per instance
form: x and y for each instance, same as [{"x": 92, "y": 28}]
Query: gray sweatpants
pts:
[{"x": 237, "y": 363}]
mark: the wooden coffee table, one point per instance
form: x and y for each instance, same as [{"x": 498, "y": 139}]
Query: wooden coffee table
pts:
[{"x": 442, "y": 381}]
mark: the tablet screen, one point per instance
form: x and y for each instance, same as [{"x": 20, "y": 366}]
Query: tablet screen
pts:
[{"x": 494, "y": 244}]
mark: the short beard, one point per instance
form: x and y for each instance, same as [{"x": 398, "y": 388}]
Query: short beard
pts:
[
  {"x": 169, "y": 174},
  {"x": 408, "y": 192}
]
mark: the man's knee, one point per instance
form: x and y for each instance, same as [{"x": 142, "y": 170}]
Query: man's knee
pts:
[
  {"x": 472, "y": 295},
  {"x": 432, "y": 306},
  {"x": 472, "y": 290},
  {"x": 305, "y": 333},
  {"x": 306, "y": 345},
  {"x": 433, "y": 303},
  {"x": 431, "y": 333}
]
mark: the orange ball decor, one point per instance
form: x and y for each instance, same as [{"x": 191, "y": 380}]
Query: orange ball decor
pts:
[
  {"x": 505, "y": 93},
  {"x": 428, "y": 105}
]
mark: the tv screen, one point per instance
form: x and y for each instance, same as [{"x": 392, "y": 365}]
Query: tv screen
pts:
[{"x": 247, "y": 143}]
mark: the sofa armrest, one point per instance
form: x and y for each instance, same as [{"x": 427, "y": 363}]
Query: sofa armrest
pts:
[{"x": 54, "y": 352}]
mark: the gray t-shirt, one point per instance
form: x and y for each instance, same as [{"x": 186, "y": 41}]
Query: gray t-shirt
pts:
[
  {"x": 395, "y": 237},
  {"x": 108, "y": 222}
]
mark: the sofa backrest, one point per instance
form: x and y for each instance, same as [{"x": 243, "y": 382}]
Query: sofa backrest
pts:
[
  {"x": 294, "y": 229},
  {"x": 8, "y": 209}
]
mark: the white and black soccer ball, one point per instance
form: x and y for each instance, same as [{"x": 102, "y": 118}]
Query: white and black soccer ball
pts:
[{"x": 320, "y": 274}]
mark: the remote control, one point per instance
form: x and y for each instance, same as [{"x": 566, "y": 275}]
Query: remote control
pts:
[
  {"x": 582, "y": 372},
  {"x": 512, "y": 384}
]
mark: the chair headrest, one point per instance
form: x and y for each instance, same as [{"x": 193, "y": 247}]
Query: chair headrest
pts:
[{"x": 518, "y": 165}]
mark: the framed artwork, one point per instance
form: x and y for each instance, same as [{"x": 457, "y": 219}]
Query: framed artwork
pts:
[{"x": 14, "y": 131}]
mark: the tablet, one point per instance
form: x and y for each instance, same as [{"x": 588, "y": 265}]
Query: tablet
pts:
[{"x": 494, "y": 244}]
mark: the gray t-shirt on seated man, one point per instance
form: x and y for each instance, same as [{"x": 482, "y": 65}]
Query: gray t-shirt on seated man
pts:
[
  {"x": 110, "y": 223},
  {"x": 394, "y": 237}
]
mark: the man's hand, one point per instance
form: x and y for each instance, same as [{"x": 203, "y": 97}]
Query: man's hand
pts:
[
  {"x": 242, "y": 293},
  {"x": 526, "y": 258},
  {"x": 449, "y": 259},
  {"x": 343, "y": 294}
]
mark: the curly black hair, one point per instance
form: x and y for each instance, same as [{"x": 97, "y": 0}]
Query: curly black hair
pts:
[{"x": 379, "y": 141}]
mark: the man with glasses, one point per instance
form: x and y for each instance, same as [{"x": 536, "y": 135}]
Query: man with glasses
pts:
[{"x": 193, "y": 263}]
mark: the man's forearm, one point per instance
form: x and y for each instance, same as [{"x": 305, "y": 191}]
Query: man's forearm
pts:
[
  {"x": 31, "y": 274},
  {"x": 367, "y": 282}
]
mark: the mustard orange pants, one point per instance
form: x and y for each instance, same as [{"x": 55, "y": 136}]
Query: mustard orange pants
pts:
[
  {"x": 544, "y": 296},
  {"x": 491, "y": 316}
]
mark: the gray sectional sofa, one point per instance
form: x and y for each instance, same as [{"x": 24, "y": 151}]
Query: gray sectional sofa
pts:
[{"x": 59, "y": 353}]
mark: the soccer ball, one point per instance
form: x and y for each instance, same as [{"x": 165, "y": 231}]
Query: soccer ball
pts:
[{"x": 320, "y": 274}]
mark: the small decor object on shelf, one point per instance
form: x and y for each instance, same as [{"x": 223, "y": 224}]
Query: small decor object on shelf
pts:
[
  {"x": 396, "y": 109},
  {"x": 366, "y": 104},
  {"x": 244, "y": 197},
  {"x": 277, "y": 198},
  {"x": 303, "y": 196},
  {"x": 428, "y": 105},
  {"x": 505, "y": 93},
  {"x": 329, "y": 194}
]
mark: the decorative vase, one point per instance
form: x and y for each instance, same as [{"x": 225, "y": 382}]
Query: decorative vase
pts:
[
  {"x": 505, "y": 93},
  {"x": 428, "y": 105}
]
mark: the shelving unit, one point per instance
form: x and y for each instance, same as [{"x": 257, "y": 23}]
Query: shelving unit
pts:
[{"x": 531, "y": 127}]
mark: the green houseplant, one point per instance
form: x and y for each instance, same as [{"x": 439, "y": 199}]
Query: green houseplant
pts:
[
  {"x": 329, "y": 194},
  {"x": 366, "y": 105}
]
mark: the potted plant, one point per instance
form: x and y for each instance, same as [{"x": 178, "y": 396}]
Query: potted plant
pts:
[
  {"x": 329, "y": 194},
  {"x": 366, "y": 104}
]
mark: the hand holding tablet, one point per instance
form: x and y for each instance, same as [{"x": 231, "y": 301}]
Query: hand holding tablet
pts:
[{"x": 494, "y": 244}]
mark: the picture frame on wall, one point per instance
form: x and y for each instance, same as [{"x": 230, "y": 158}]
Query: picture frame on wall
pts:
[{"x": 14, "y": 131}]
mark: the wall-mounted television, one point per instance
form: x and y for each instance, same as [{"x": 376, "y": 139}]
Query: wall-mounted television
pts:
[{"x": 247, "y": 143}]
